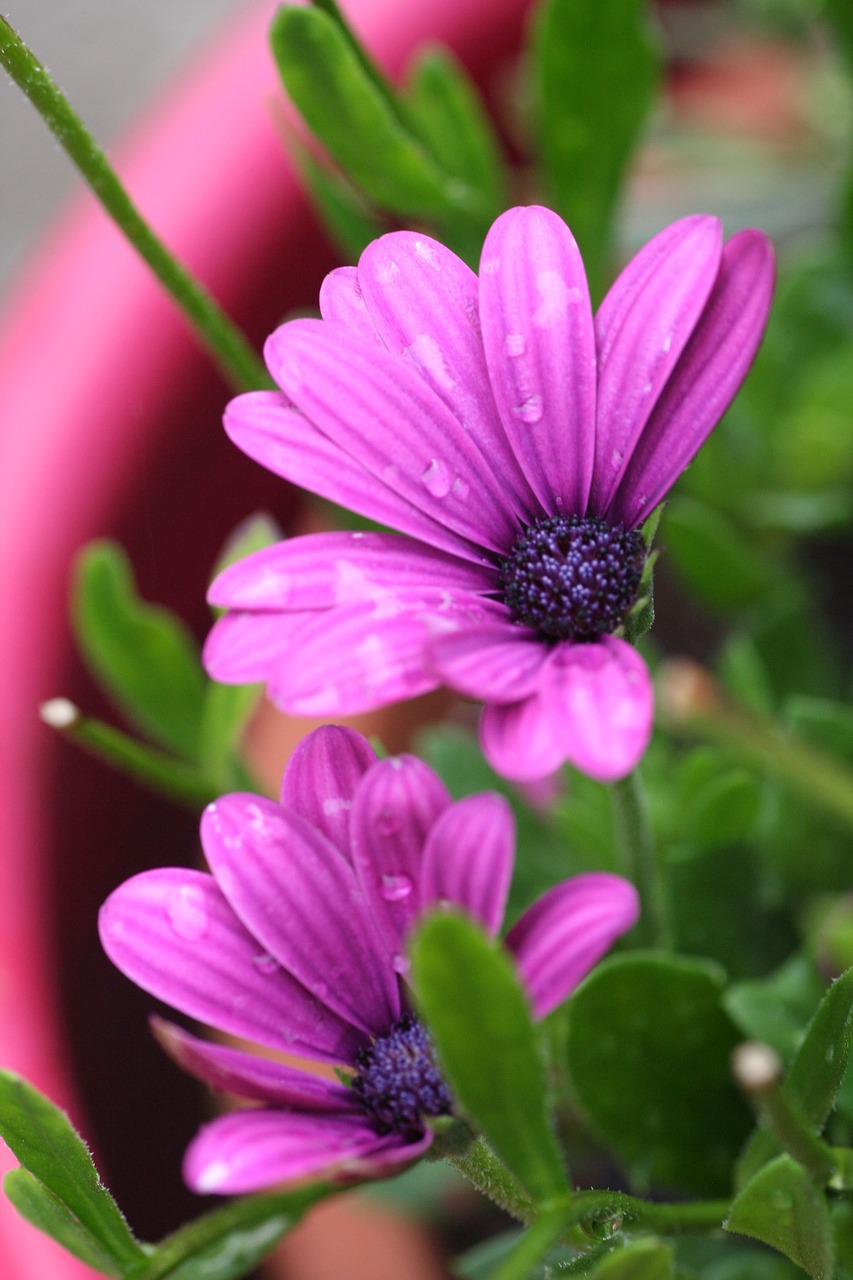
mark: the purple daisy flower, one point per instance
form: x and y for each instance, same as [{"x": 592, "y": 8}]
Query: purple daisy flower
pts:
[
  {"x": 296, "y": 943},
  {"x": 518, "y": 444}
]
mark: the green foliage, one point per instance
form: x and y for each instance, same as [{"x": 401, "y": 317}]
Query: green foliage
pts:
[
  {"x": 648, "y": 1054},
  {"x": 716, "y": 559},
  {"x": 643, "y": 1260},
  {"x": 782, "y": 1206}
]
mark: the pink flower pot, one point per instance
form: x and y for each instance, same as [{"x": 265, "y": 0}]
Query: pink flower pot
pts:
[{"x": 109, "y": 425}]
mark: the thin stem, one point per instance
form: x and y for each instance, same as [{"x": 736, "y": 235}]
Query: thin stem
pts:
[
  {"x": 639, "y": 863},
  {"x": 479, "y": 1164},
  {"x": 690, "y": 1218},
  {"x": 225, "y": 343},
  {"x": 533, "y": 1247}
]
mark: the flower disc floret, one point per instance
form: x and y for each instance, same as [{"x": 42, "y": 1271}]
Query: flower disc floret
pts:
[
  {"x": 573, "y": 577},
  {"x": 398, "y": 1080}
]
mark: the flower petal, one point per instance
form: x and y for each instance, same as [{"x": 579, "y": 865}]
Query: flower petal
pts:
[
  {"x": 593, "y": 708},
  {"x": 423, "y": 301},
  {"x": 321, "y": 778},
  {"x": 299, "y": 897},
  {"x": 706, "y": 378},
  {"x": 319, "y": 570},
  {"x": 493, "y": 663},
  {"x": 266, "y": 427},
  {"x": 394, "y": 807},
  {"x": 540, "y": 350},
  {"x": 243, "y": 648},
  {"x": 559, "y": 939},
  {"x": 468, "y": 858},
  {"x": 341, "y": 302},
  {"x": 173, "y": 933},
  {"x": 382, "y": 415},
  {"x": 246, "y": 1075},
  {"x": 641, "y": 329},
  {"x": 257, "y": 1149}
]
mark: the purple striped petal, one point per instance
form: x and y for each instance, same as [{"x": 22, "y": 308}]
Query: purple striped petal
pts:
[
  {"x": 246, "y": 1075},
  {"x": 497, "y": 663},
  {"x": 382, "y": 415},
  {"x": 321, "y": 778},
  {"x": 173, "y": 933},
  {"x": 243, "y": 648},
  {"x": 267, "y": 428},
  {"x": 559, "y": 939},
  {"x": 341, "y": 302},
  {"x": 257, "y": 1149},
  {"x": 424, "y": 303},
  {"x": 394, "y": 807},
  {"x": 300, "y": 898},
  {"x": 594, "y": 708},
  {"x": 642, "y": 328},
  {"x": 319, "y": 570},
  {"x": 540, "y": 350},
  {"x": 468, "y": 858},
  {"x": 706, "y": 378}
]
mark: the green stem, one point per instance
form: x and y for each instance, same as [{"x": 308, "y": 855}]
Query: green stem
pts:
[
  {"x": 479, "y": 1164},
  {"x": 638, "y": 856},
  {"x": 225, "y": 343},
  {"x": 689, "y": 1218},
  {"x": 533, "y": 1247}
]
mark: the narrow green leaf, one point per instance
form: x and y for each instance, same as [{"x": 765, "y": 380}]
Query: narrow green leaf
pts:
[
  {"x": 815, "y": 1073},
  {"x": 227, "y": 708},
  {"x": 777, "y": 1008},
  {"x": 50, "y": 1216},
  {"x": 532, "y": 1248},
  {"x": 594, "y": 70},
  {"x": 347, "y": 219},
  {"x": 648, "y": 1054},
  {"x": 718, "y": 561},
  {"x": 143, "y": 654},
  {"x": 782, "y": 1207},
  {"x": 354, "y": 120},
  {"x": 43, "y": 1140},
  {"x": 487, "y": 1046},
  {"x": 642, "y": 1260}
]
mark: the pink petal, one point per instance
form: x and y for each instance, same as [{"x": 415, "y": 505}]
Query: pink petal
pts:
[
  {"x": 172, "y": 932},
  {"x": 243, "y": 648},
  {"x": 642, "y": 328},
  {"x": 341, "y": 302},
  {"x": 321, "y": 777},
  {"x": 468, "y": 858},
  {"x": 540, "y": 350},
  {"x": 246, "y": 1075},
  {"x": 594, "y": 708},
  {"x": 383, "y": 416},
  {"x": 500, "y": 662},
  {"x": 299, "y": 897},
  {"x": 394, "y": 807},
  {"x": 258, "y": 1149},
  {"x": 424, "y": 303},
  {"x": 559, "y": 939},
  {"x": 265, "y": 426},
  {"x": 706, "y": 378},
  {"x": 320, "y": 570}
]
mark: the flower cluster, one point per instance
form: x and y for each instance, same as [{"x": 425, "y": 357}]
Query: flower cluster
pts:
[
  {"x": 517, "y": 443},
  {"x": 295, "y": 940}
]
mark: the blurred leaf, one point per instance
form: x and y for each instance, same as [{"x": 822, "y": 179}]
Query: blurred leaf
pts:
[
  {"x": 782, "y": 1207},
  {"x": 43, "y": 1140},
  {"x": 731, "y": 1259},
  {"x": 777, "y": 1009},
  {"x": 716, "y": 803},
  {"x": 227, "y": 710},
  {"x": 143, "y": 655},
  {"x": 648, "y": 1052},
  {"x": 641, "y": 1260},
  {"x": 742, "y": 671},
  {"x": 347, "y": 219},
  {"x": 487, "y": 1046},
  {"x": 49, "y": 1215},
  {"x": 719, "y": 562},
  {"x": 594, "y": 70},
  {"x": 356, "y": 122}
]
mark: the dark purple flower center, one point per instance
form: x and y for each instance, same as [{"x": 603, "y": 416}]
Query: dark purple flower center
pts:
[
  {"x": 398, "y": 1080},
  {"x": 573, "y": 577}
]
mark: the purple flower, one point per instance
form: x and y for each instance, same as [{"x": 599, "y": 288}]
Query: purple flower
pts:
[
  {"x": 517, "y": 444},
  {"x": 296, "y": 942}
]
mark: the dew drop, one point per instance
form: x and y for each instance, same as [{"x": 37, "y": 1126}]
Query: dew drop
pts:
[
  {"x": 616, "y": 459},
  {"x": 436, "y": 479},
  {"x": 400, "y": 964},
  {"x": 531, "y": 410},
  {"x": 514, "y": 344},
  {"x": 187, "y": 912},
  {"x": 265, "y": 963},
  {"x": 396, "y": 888},
  {"x": 461, "y": 488},
  {"x": 388, "y": 822}
]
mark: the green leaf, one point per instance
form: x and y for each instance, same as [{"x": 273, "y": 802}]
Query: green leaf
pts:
[
  {"x": 717, "y": 561},
  {"x": 594, "y": 70},
  {"x": 344, "y": 214},
  {"x": 143, "y": 655},
  {"x": 815, "y": 1074},
  {"x": 782, "y": 1207},
  {"x": 50, "y": 1216},
  {"x": 480, "y": 1019},
  {"x": 648, "y": 1054},
  {"x": 776, "y": 1009},
  {"x": 355, "y": 121},
  {"x": 642, "y": 1260},
  {"x": 43, "y": 1140}
]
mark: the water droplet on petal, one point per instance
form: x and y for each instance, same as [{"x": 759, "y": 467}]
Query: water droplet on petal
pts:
[
  {"x": 616, "y": 459},
  {"x": 388, "y": 822},
  {"x": 514, "y": 344},
  {"x": 265, "y": 963},
  {"x": 436, "y": 479},
  {"x": 531, "y": 410},
  {"x": 461, "y": 488},
  {"x": 396, "y": 888},
  {"x": 187, "y": 911},
  {"x": 400, "y": 964}
]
